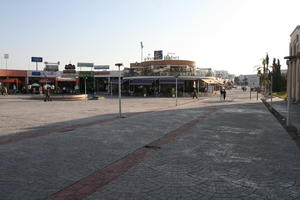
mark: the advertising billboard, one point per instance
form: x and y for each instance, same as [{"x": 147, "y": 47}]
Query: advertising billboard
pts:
[
  {"x": 36, "y": 59},
  {"x": 52, "y": 68},
  {"x": 85, "y": 65},
  {"x": 158, "y": 55}
]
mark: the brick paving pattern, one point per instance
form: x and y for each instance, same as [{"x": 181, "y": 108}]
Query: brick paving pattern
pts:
[{"x": 206, "y": 149}]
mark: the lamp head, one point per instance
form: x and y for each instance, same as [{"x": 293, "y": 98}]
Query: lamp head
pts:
[{"x": 119, "y": 64}]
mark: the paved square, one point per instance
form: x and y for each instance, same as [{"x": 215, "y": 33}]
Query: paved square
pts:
[{"x": 202, "y": 149}]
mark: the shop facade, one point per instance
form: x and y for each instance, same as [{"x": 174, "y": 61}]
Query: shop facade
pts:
[{"x": 13, "y": 80}]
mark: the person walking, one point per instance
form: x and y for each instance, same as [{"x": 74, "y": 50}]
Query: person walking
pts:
[
  {"x": 5, "y": 91},
  {"x": 195, "y": 94},
  {"x": 47, "y": 95},
  {"x": 224, "y": 94},
  {"x": 221, "y": 93}
]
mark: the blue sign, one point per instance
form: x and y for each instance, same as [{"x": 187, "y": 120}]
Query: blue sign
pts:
[
  {"x": 101, "y": 67},
  {"x": 35, "y": 73},
  {"x": 36, "y": 59}
]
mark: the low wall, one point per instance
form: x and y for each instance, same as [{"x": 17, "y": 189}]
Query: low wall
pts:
[{"x": 56, "y": 97}]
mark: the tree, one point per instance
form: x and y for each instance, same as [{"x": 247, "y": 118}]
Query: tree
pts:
[
  {"x": 263, "y": 73},
  {"x": 276, "y": 73},
  {"x": 209, "y": 73},
  {"x": 236, "y": 80},
  {"x": 245, "y": 81}
]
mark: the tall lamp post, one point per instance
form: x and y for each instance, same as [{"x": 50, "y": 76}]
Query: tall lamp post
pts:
[
  {"x": 120, "y": 109},
  {"x": 176, "y": 91},
  {"x": 6, "y": 56}
]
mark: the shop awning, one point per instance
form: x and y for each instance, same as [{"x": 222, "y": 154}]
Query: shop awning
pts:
[
  {"x": 211, "y": 81},
  {"x": 170, "y": 82},
  {"x": 65, "y": 79},
  {"x": 141, "y": 82},
  {"x": 11, "y": 80}
]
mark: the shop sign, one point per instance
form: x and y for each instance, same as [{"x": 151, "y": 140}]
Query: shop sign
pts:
[
  {"x": 102, "y": 73},
  {"x": 69, "y": 71},
  {"x": 51, "y": 73},
  {"x": 85, "y": 65},
  {"x": 36, "y": 59},
  {"x": 101, "y": 67},
  {"x": 35, "y": 73},
  {"x": 69, "y": 75},
  {"x": 86, "y": 74}
]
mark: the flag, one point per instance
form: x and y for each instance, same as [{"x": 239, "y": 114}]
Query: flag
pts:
[{"x": 142, "y": 46}]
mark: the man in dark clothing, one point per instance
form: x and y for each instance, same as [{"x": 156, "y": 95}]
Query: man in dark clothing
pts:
[
  {"x": 224, "y": 94},
  {"x": 195, "y": 94}
]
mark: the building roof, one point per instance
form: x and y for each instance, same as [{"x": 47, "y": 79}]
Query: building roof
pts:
[
  {"x": 163, "y": 62},
  {"x": 297, "y": 27}
]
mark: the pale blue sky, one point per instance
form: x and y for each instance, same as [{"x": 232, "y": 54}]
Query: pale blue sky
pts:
[{"x": 231, "y": 35}]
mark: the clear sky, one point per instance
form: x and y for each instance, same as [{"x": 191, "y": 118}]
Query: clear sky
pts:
[{"x": 228, "y": 35}]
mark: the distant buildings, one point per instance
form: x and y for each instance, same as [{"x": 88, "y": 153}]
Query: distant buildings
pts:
[
  {"x": 294, "y": 66},
  {"x": 205, "y": 72}
]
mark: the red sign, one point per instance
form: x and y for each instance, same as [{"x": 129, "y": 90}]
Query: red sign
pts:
[{"x": 101, "y": 73}]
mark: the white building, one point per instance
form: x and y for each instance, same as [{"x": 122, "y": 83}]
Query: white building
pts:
[
  {"x": 251, "y": 80},
  {"x": 294, "y": 66},
  {"x": 205, "y": 72},
  {"x": 222, "y": 74}
]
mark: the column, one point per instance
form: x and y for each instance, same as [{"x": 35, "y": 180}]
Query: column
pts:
[
  {"x": 298, "y": 80},
  {"x": 293, "y": 80}
]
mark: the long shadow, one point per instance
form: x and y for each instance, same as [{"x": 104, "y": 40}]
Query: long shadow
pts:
[
  {"x": 66, "y": 126},
  {"x": 281, "y": 118},
  {"x": 74, "y": 124}
]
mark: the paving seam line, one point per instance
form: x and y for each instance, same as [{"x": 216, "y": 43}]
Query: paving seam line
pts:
[
  {"x": 98, "y": 179},
  {"x": 291, "y": 130},
  {"x": 73, "y": 127}
]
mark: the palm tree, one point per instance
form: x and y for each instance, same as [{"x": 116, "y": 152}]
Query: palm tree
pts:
[{"x": 262, "y": 72}]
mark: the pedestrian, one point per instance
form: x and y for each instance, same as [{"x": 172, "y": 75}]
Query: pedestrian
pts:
[
  {"x": 224, "y": 94},
  {"x": 195, "y": 94},
  {"x": 221, "y": 93},
  {"x": 5, "y": 91},
  {"x": 41, "y": 90},
  {"x": 47, "y": 95},
  {"x": 14, "y": 89}
]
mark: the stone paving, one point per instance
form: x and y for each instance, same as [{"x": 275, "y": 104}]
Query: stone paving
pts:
[
  {"x": 250, "y": 157},
  {"x": 281, "y": 106},
  {"x": 234, "y": 150}
]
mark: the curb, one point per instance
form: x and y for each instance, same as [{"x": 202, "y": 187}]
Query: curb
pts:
[{"x": 292, "y": 130}]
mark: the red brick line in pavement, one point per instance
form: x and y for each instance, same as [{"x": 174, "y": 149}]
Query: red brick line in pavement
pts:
[
  {"x": 95, "y": 181},
  {"x": 70, "y": 128}
]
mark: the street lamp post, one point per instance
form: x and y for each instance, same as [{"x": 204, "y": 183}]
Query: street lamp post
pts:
[
  {"x": 120, "y": 108},
  {"x": 85, "y": 85},
  {"x": 271, "y": 88},
  {"x": 176, "y": 91},
  {"x": 6, "y": 56}
]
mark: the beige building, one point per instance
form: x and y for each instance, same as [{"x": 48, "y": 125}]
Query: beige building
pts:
[{"x": 294, "y": 65}]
